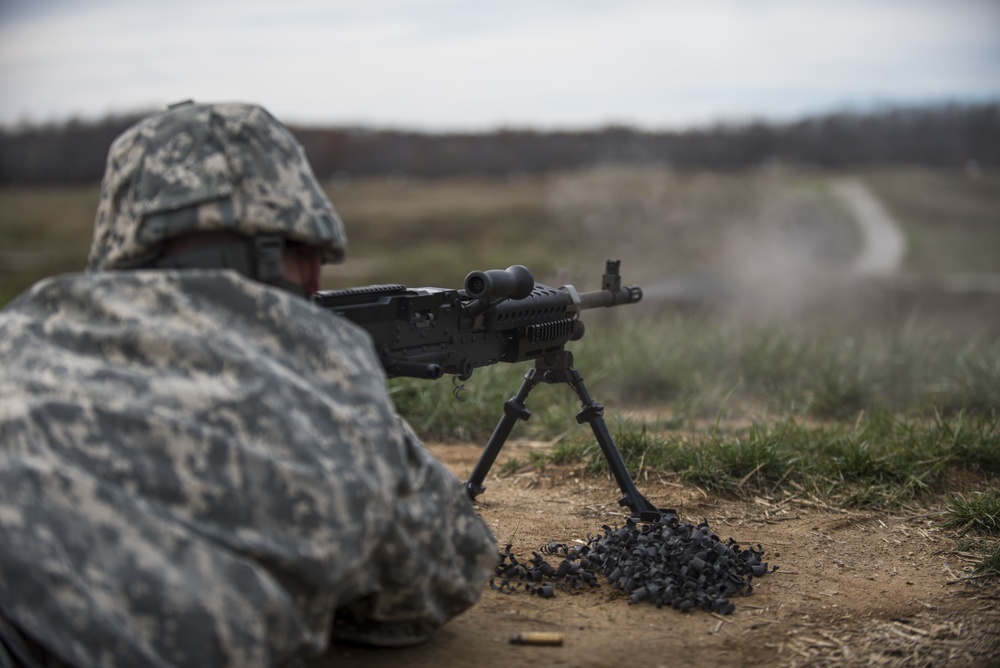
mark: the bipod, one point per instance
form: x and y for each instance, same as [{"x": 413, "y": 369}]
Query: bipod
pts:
[{"x": 558, "y": 368}]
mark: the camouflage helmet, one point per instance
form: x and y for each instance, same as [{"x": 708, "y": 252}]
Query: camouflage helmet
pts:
[{"x": 208, "y": 168}]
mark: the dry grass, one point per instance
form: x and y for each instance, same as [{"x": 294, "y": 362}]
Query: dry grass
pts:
[
  {"x": 761, "y": 228},
  {"x": 43, "y": 232}
]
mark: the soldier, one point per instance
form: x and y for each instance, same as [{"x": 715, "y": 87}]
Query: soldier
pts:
[{"x": 198, "y": 466}]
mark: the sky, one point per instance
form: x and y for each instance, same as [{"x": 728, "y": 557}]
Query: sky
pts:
[{"x": 466, "y": 65}]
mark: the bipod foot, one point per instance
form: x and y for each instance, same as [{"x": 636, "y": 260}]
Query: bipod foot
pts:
[
  {"x": 652, "y": 516},
  {"x": 473, "y": 490}
]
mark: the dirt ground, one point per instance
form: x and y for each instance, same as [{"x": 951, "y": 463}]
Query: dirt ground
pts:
[{"x": 853, "y": 587}]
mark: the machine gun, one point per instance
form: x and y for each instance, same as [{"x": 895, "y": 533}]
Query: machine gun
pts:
[{"x": 500, "y": 316}]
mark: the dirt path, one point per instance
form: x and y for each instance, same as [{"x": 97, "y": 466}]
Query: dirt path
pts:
[
  {"x": 853, "y": 588},
  {"x": 783, "y": 266},
  {"x": 883, "y": 245}
]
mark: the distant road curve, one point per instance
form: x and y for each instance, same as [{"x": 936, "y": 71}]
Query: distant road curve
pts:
[
  {"x": 883, "y": 245},
  {"x": 883, "y": 249}
]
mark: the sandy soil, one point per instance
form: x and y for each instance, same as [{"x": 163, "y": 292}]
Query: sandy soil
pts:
[{"x": 853, "y": 587}]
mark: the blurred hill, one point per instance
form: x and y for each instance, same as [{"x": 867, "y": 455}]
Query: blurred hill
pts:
[{"x": 945, "y": 136}]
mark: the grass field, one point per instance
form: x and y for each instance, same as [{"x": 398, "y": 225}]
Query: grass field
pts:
[
  {"x": 952, "y": 222},
  {"x": 661, "y": 222},
  {"x": 889, "y": 403}
]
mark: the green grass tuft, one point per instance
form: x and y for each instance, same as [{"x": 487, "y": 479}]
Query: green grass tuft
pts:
[
  {"x": 977, "y": 519},
  {"x": 978, "y": 514},
  {"x": 879, "y": 461}
]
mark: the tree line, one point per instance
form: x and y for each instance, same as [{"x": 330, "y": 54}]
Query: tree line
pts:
[{"x": 943, "y": 136}]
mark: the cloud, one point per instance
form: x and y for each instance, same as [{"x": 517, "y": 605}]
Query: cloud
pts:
[{"x": 448, "y": 63}]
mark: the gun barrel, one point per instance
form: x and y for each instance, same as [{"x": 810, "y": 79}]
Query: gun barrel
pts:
[{"x": 628, "y": 294}]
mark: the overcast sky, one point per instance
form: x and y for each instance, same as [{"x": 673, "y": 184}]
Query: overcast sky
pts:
[{"x": 477, "y": 64}]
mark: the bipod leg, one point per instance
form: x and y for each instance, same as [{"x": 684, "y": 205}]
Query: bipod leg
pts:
[
  {"x": 514, "y": 409},
  {"x": 559, "y": 369}
]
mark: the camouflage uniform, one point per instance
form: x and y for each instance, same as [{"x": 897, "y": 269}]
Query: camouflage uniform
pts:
[{"x": 200, "y": 469}]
